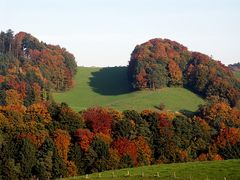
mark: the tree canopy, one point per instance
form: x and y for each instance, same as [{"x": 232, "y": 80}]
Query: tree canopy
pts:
[
  {"x": 30, "y": 69},
  {"x": 161, "y": 62}
]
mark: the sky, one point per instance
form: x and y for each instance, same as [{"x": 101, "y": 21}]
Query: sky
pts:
[{"x": 104, "y": 32}]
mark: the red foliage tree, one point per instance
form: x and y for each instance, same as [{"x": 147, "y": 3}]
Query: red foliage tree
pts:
[
  {"x": 99, "y": 119},
  {"x": 126, "y": 147},
  {"x": 141, "y": 79},
  {"x": 228, "y": 135},
  {"x": 2, "y": 78}
]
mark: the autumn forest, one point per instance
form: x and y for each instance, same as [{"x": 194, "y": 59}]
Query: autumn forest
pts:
[{"x": 40, "y": 138}]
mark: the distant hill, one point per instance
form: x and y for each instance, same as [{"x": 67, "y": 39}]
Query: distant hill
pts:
[
  {"x": 110, "y": 87},
  {"x": 160, "y": 63}
]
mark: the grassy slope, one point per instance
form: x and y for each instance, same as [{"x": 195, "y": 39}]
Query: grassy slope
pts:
[
  {"x": 109, "y": 87},
  {"x": 237, "y": 74},
  {"x": 191, "y": 170}
]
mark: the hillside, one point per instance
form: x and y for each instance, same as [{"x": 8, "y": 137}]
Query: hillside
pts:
[
  {"x": 160, "y": 63},
  {"x": 46, "y": 140},
  {"x": 110, "y": 87},
  {"x": 194, "y": 170}
]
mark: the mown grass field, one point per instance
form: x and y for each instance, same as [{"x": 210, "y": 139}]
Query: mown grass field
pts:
[
  {"x": 109, "y": 87},
  {"x": 212, "y": 170}
]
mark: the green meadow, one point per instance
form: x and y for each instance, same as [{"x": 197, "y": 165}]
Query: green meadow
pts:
[
  {"x": 109, "y": 87},
  {"x": 237, "y": 74},
  {"x": 211, "y": 170}
]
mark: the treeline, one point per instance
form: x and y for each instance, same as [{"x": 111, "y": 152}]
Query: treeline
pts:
[
  {"x": 47, "y": 140},
  {"x": 235, "y": 67},
  {"x": 161, "y": 62},
  {"x": 30, "y": 70}
]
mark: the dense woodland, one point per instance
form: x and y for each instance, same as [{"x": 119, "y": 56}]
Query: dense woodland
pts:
[
  {"x": 30, "y": 69},
  {"x": 161, "y": 62},
  {"x": 45, "y": 140},
  {"x": 51, "y": 141}
]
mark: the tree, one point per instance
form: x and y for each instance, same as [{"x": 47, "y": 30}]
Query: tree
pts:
[
  {"x": 62, "y": 141},
  {"x": 76, "y": 155},
  {"x": 8, "y": 40},
  {"x": 175, "y": 74},
  {"x": 157, "y": 63},
  {"x": 13, "y": 97},
  {"x": 101, "y": 150},
  {"x": 161, "y": 62},
  {"x": 65, "y": 118},
  {"x": 26, "y": 158},
  {"x": 126, "y": 147},
  {"x": 9, "y": 169},
  {"x": 59, "y": 168},
  {"x": 38, "y": 112},
  {"x": 220, "y": 114},
  {"x": 99, "y": 120},
  {"x": 124, "y": 128},
  {"x": 137, "y": 125},
  {"x": 32, "y": 68},
  {"x": 44, "y": 166},
  {"x": 143, "y": 150},
  {"x": 84, "y": 138}
]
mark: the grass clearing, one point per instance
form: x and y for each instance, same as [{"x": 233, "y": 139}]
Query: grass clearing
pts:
[
  {"x": 109, "y": 87},
  {"x": 212, "y": 170}
]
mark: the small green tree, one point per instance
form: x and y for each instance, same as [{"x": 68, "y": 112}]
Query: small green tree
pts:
[{"x": 26, "y": 158}]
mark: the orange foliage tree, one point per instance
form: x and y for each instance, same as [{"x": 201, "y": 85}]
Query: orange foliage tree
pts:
[
  {"x": 13, "y": 97},
  {"x": 38, "y": 112},
  {"x": 228, "y": 135},
  {"x": 85, "y": 138},
  {"x": 175, "y": 73},
  {"x": 126, "y": 147},
  {"x": 144, "y": 152},
  {"x": 62, "y": 141}
]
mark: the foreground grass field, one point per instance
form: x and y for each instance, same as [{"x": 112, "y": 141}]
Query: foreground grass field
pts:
[
  {"x": 109, "y": 87},
  {"x": 229, "y": 169}
]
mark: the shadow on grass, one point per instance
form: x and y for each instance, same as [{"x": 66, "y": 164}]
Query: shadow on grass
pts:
[
  {"x": 110, "y": 81},
  {"x": 187, "y": 112}
]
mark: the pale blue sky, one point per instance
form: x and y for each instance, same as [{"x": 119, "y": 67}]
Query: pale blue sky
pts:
[{"x": 104, "y": 32}]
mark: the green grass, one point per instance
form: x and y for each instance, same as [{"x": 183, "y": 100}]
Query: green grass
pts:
[
  {"x": 237, "y": 74},
  {"x": 193, "y": 170},
  {"x": 109, "y": 87}
]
